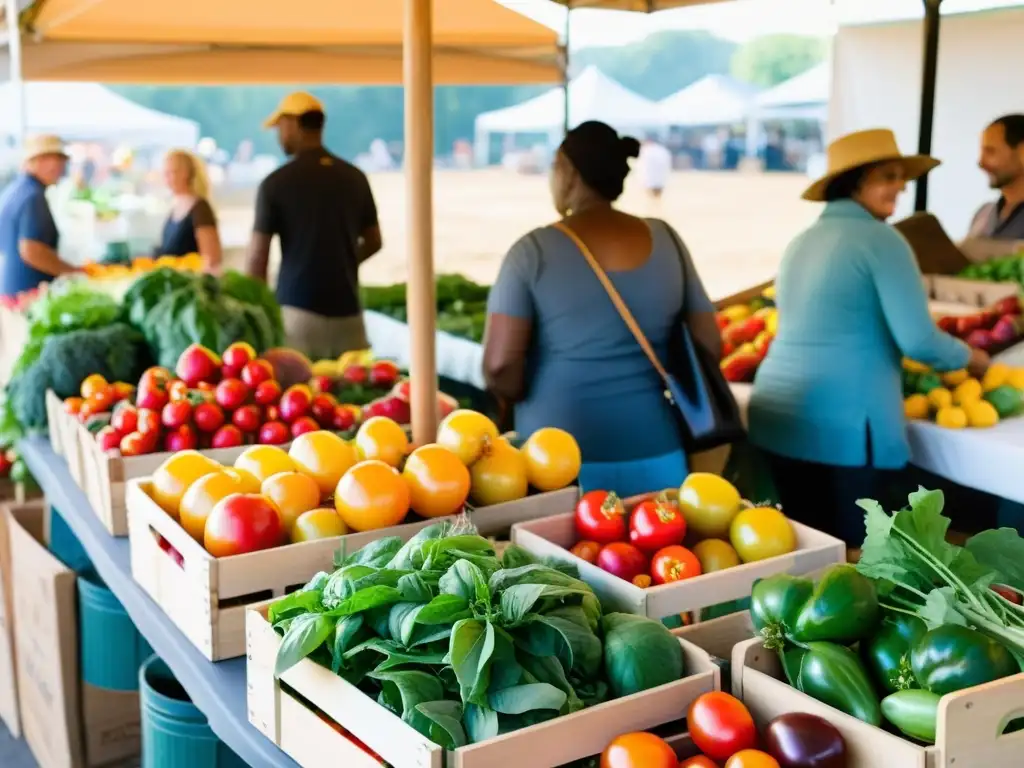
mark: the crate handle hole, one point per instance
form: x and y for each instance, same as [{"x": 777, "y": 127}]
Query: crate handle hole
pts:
[{"x": 167, "y": 548}]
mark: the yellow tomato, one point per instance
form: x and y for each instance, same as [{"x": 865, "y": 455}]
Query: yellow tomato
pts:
[
  {"x": 981, "y": 414},
  {"x": 172, "y": 478},
  {"x": 92, "y": 385},
  {"x": 736, "y": 312},
  {"x": 382, "y": 439},
  {"x": 760, "y": 533},
  {"x": 996, "y": 376},
  {"x": 715, "y": 555},
  {"x": 914, "y": 367},
  {"x": 709, "y": 504},
  {"x": 465, "y": 433},
  {"x": 320, "y": 523},
  {"x": 955, "y": 378},
  {"x": 323, "y": 456},
  {"x": 916, "y": 407},
  {"x": 438, "y": 481},
  {"x": 951, "y": 418},
  {"x": 293, "y": 493},
  {"x": 939, "y": 398},
  {"x": 967, "y": 391},
  {"x": 262, "y": 461},
  {"x": 1016, "y": 378},
  {"x": 202, "y": 496},
  {"x": 552, "y": 459},
  {"x": 249, "y": 481},
  {"x": 499, "y": 475}
]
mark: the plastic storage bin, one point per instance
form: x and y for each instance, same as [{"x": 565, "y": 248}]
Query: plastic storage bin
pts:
[
  {"x": 174, "y": 732},
  {"x": 65, "y": 545},
  {"x": 112, "y": 650}
]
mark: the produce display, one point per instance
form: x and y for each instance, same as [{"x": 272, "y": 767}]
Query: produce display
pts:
[
  {"x": 992, "y": 329},
  {"x": 22, "y": 300},
  {"x": 915, "y": 619},
  {"x": 464, "y": 645},
  {"x": 956, "y": 400},
  {"x": 645, "y": 545},
  {"x": 461, "y": 304},
  {"x": 141, "y": 265},
  {"x": 1006, "y": 269},
  {"x": 747, "y": 333},
  {"x": 724, "y": 731}
]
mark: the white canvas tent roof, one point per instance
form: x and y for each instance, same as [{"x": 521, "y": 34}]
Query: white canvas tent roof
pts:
[
  {"x": 712, "y": 100},
  {"x": 88, "y": 111},
  {"x": 802, "y": 97},
  {"x": 592, "y": 96}
]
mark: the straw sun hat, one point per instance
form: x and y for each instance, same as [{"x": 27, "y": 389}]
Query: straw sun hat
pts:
[
  {"x": 38, "y": 146},
  {"x": 863, "y": 148}
]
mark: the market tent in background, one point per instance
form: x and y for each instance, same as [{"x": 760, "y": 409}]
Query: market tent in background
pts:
[
  {"x": 592, "y": 96},
  {"x": 90, "y": 112},
  {"x": 303, "y": 41},
  {"x": 804, "y": 97},
  {"x": 878, "y": 81},
  {"x": 712, "y": 100}
]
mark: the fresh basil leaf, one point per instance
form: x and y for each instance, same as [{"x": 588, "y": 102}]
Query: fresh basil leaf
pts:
[
  {"x": 471, "y": 647},
  {"x": 374, "y": 597},
  {"x": 413, "y": 588},
  {"x": 515, "y": 556},
  {"x": 505, "y": 669},
  {"x": 402, "y": 621},
  {"x": 394, "y": 655},
  {"x": 406, "y": 557},
  {"x": 403, "y": 689},
  {"x": 318, "y": 582},
  {"x": 339, "y": 585},
  {"x": 525, "y": 698},
  {"x": 444, "y": 609},
  {"x": 295, "y": 604},
  {"x": 517, "y": 601},
  {"x": 441, "y": 722},
  {"x": 376, "y": 554},
  {"x": 461, "y": 580},
  {"x": 305, "y": 634},
  {"x": 346, "y": 635},
  {"x": 432, "y": 633},
  {"x": 533, "y": 574},
  {"x": 548, "y": 669},
  {"x": 480, "y": 723}
]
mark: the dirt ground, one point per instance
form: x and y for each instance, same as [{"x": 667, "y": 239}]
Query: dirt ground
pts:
[{"x": 736, "y": 225}]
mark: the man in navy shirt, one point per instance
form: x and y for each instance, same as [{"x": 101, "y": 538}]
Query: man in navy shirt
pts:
[{"x": 28, "y": 234}]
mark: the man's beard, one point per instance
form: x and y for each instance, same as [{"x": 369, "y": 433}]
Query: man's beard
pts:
[{"x": 998, "y": 181}]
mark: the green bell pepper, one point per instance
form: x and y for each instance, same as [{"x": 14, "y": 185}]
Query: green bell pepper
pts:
[
  {"x": 834, "y": 675},
  {"x": 914, "y": 712},
  {"x": 775, "y": 603},
  {"x": 952, "y": 657},
  {"x": 886, "y": 653},
  {"x": 843, "y": 609}
]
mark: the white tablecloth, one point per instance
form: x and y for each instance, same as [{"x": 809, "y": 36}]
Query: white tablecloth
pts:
[
  {"x": 457, "y": 359},
  {"x": 983, "y": 459}
]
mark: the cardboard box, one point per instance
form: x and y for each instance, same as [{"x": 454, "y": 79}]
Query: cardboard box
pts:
[
  {"x": 935, "y": 252},
  {"x": 282, "y": 709},
  {"x": 67, "y": 724}
]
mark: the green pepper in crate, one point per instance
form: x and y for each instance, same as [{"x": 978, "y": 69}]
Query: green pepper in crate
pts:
[
  {"x": 775, "y": 603},
  {"x": 834, "y": 675},
  {"x": 914, "y": 712},
  {"x": 886, "y": 653},
  {"x": 843, "y": 609},
  {"x": 952, "y": 657}
]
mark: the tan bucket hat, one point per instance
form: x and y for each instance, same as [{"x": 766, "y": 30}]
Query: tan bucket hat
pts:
[
  {"x": 854, "y": 150},
  {"x": 37, "y": 146}
]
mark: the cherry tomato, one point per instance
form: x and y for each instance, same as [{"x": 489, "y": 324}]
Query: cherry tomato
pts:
[
  {"x": 674, "y": 563},
  {"x": 639, "y": 750},
  {"x": 92, "y": 384},
  {"x": 274, "y": 433},
  {"x": 255, "y": 372},
  {"x": 372, "y": 495},
  {"x": 438, "y": 481},
  {"x": 236, "y": 356},
  {"x": 148, "y": 420},
  {"x": 86, "y": 411},
  {"x": 720, "y": 725},
  {"x": 228, "y": 436},
  {"x": 241, "y": 523},
  {"x": 247, "y": 418},
  {"x": 135, "y": 444},
  {"x": 272, "y": 413},
  {"x": 1007, "y": 593},
  {"x": 641, "y": 580},
  {"x": 267, "y": 392},
  {"x": 655, "y": 524},
  {"x": 752, "y": 758},
  {"x": 586, "y": 550},
  {"x": 552, "y": 459},
  {"x": 304, "y": 425},
  {"x": 108, "y": 439},
  {"x": 177, "y": 391},
  {"x": 384, "y": 373},
  {"x": 198, "y": 364},
  {"x": 176, "y": 414},
  {"x": 152, "y": 396},
  {"x": 622, "y": 559},
  {"x": 73, "y": 405},
  {"x": 343, "y": 419},
  {"x": 295, "y": 402},
  {"x": 231, "y": 394},
  {"x": 156, "y": 377},
  {"x": 700, "y": 761},
  {"x": 182, "y": 438},
  {"x": 208, "y": 417},
  {"x": 601, "y": 517},
  {"x": 323, "y": 409},
  {"x": 125, "y": 419}
]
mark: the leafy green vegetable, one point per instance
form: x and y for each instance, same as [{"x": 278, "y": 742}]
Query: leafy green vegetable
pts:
[{"x": 461, "y": 304}]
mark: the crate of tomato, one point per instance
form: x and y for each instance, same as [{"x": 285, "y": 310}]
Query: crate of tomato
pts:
[{"x": 671, "y": 552}]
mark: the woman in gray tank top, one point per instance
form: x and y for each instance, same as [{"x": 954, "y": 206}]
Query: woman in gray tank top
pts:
[{"x": 557, "y": 349}]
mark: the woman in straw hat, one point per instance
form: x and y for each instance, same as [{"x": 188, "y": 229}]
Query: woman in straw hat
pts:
[
  {"x": 827, "y": 404},
  {"x": 192, "y": 225}
]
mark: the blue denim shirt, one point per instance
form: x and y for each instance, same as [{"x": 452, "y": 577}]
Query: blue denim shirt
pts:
[
  {"x": 24, "y": 215},
  {"x": 851, "y": 304}
]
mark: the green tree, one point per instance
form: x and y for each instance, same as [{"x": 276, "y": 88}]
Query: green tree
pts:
[{"x": 770, "y": 60}]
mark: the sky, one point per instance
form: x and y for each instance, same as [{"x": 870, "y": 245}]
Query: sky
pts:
[{"x": 740, "y": 20}]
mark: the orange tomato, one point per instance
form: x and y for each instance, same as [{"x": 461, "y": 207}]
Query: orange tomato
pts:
[
  {"x": 752, "y": 758},
  {"x": 262, "y": 461},
  {"x": 102, "y": 400},
  {"x": 123, "y": 390},
  {"x": 371, "y": 495},
  {"x": 293, "y": 493},
  {"x": 172, "y": 478},
  {"x": 92, "y": 384},
  {"x": 438, "y": 481},
  {"x": 700, "y": 761},
  {"x": 382, "y": 439},
  {"x": 73, "y": 405},
  {"x": 552, "y": 459},
  {"x": 202, "y": 496},
  {"x": 320, "y": 523},
  {"x": 499, "y": 475},
  {"x": 323, "y": 456},
  {"x": 465, "y": 433},
  {"x": 639, "y": 750}
]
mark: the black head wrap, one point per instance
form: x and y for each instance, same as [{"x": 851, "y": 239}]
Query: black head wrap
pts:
[{"x": 600, "y": 156}]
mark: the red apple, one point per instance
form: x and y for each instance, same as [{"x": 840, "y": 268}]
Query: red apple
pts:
[{"x": 241, "y": 523}]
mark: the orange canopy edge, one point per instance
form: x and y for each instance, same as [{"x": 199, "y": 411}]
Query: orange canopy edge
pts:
[
  {"x": 638, "y": 6},
  {"x": 204, "y": 42}
]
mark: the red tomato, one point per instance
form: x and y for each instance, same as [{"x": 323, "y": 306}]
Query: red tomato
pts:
[
  {"x": 700, "y": 761},
  {"x": 639, "y": 750},
  {"x": 323, "y": 408},
  {"x": 176, "y": 414},
  {"x": 208, "y": 417},
  {"x": 586, "y": 550},
  {"x": 148, "y": 420},
  {"x": 231, "y": 394},
  {"x": 295, "y": 402},
  {"x": 272, "y": 413},
  {"x": 752, "y": 758},
  {"x": 384, "y": 373},
  {"x": 721, "y": 725},
  {"x": 236, "y": 356},
  {"x": 267, "y": 392},
  {"x": 255, "y": 372},
  {"x": 247, "y": 418},
  {"x": 108, "y": 439},
  {"x": 656, "y": 524},
  {"x": 622, "y": 559},
  {"x": 197, "y": 364},
  {"x": 601, "y": 517},
  {"x": 155, "y": 377},
  {"x": 674, "y": 563},
  {"x": 274, "y": 433},
  {"x": 344, "y": 419},
  {"x": 227, "y": 436},
  {"x": 181, "y": 439},
  {"x": 136, "y": 444},
  {"x": 303, "y": 425},
  {"x": 355, "y": 374},
  {"x": 321, "y": 384},
  {"x": 152, "y": 396},
  {"x": 125, "y": 419},
  {"x": 177, "y": 391},
  {"x": 240, "y": 523}
]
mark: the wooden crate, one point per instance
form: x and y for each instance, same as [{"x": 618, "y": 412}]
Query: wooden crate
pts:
[
  {"x": 206, "y": 597},
  {"x": 553, "y": 536},
  {"x": 281, "y": 710},
  {"x": 744, "y": 296},
  {"x": 969, "y": 730},
  {"x": 55, "y": 421}
]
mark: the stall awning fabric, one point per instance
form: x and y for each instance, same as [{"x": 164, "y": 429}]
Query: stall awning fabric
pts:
[
  {"x": 247, "y": 41},
  {"x": 639, "y": 6}
]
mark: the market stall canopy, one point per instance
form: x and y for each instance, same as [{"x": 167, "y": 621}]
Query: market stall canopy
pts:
[
  {"x": 804, "y": 97},
  {"x": 592, "y": 96},
  {"x": 712, "y": 100},
  {"x": 302, "y": 41},
  {"x": 640, "y": 6},
  {"x": 90, "y": 112}
]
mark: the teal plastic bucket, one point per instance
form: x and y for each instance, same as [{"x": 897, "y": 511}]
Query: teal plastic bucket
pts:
[
  {"x": 174, "y": 732},
  {"x": 111, "y": 648},
  {"x": 64, "y": 545}
]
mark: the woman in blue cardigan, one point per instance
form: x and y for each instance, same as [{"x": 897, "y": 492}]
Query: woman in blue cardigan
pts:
[{"x": 827, "y": 404}]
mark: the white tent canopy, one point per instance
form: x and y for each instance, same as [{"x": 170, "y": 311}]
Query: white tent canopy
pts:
[
  {"x": 804, "y": 97},
  {"x": 712, "y": 100},
  {"x": 90, "y": 112}
]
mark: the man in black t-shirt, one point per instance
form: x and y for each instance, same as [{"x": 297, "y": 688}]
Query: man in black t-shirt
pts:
[{"x": 322, "y": 209}]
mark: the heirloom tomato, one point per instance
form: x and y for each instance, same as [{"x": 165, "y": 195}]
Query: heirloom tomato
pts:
[
  {"x": 720, "y": 725},
  {"x": 499, "y": 475},
  {"x": 372, "y": 495},
  {"x": 655, "y": 524},
  {"x": 242, "y": 523},
  {"x": 639, "y": 750},
  {"x": 601, "y": 517},
  {"x": 552, "y": 459},
  {"x": 466, "y": 433},
  {"x": 438, "y": 481}
]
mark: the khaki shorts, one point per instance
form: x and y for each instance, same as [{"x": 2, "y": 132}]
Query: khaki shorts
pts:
[{"x": 322, "y": 338}]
